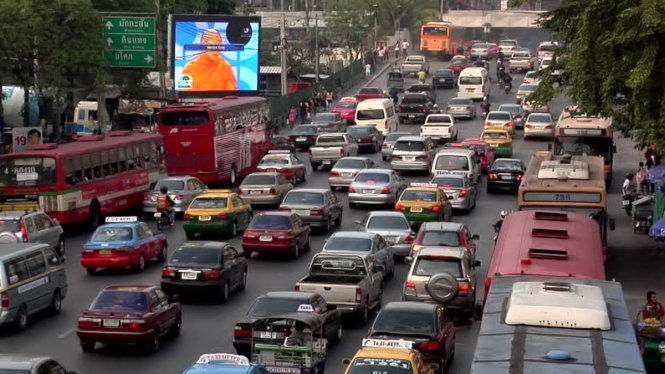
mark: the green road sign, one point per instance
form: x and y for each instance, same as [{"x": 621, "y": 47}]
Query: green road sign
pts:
[{"x": 130, "y": 41}]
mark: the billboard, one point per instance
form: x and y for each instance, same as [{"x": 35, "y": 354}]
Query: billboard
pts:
[
  {"x": 215, "y": 55},
  {"x": 24, "y": 137}
]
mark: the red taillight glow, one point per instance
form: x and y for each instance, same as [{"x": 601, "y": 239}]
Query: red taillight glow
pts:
[
  {"x": 548, "y": 126},
  {"x": 187, "y": 216},
  {"x": 146, "y": 196},
  {"x": 4, "y": 300},
  {"x": 409, "y": 239},
  {"x": 212, "y": 274},
  {"x": 273, "y": 191},
  {"x": 491, "y": 177},
  {"x": 334, "y": 173},
  {"x": 359, "y": 295},
  {"x": 464, "y": 287},
  {"x": 509, "y": 124},
  {"x": 168, "y": 273},
  {"x": 239, "y": 191},
  {"x": 24, "y": 232},
  {"x": 421, "y": 157},
  {"x": 296, "y": 288},
  {"x": 488, "y": 123},
  {"x": 316, "y": 212},
  {"x": 430, "y": 346},
  {"x": 239, "y": 332},
  {"x": 222, "y": 215},
  {"x": 410, "y": 285},
  {"x": 462, "y": 193},
  {"x": 399, "y": 206},
  {"x": 424, "y": 108},
  {"x": 385, "y": 190},
  {"x": 341, "y": 152},
  {"x": 352, "y": 189},
  {"x": 436, "y": 208},
  {"x": 85, "y": 322},
  {"x": 179, "y": 197}
]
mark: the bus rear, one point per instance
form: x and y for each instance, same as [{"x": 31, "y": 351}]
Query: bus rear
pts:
[
  {"x": 439, "y": 39},
  {"x": 25, "y": 176}
]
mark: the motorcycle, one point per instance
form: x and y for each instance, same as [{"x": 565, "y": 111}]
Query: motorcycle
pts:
[
  {"x": 507, "y": 86},
  {"x": 163, "y": 220}
]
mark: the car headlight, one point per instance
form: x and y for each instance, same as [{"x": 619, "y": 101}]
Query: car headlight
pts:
[{"x": 661, "y": 348}]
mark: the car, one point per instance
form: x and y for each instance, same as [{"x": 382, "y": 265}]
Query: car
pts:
[
  {"x": 500, "y": 140},
  {"x": 414, "y": 63},
  {"x": 460, "y": 192},
  {"x": 215, "y": 212},
  {"x": 123, "y": 242},
  {"x": 304, "y": 136},
  {"x": 521, "y": 60},
  {"x": 369, "y": 93},
  {"x": 539, "y": 125},
  {"x": 31, "y": 227},
  {"x": 462, "y": 107},
  {"x": 530, "y": 107},
  {"x": 516, "y": 111},
  {"x": 458, "y": 63},
  {"x": 545, "y": 62},
  {"x": 481, "y": 51},
  {"x": 523, "y": 91},
  {"x": 346, "y": 107},
  {"x": 482, "y": 149},
  {"x": 276, "y": 233},
  {"x": 531, "y": 77},
  {"x": 277, "y": 303},
  {"x": 285, "y": 163},
  {"x": 181, "y": 190},
  {"x": 415, "y": 106},
  {"x": 389, "y": 143},
  {"x": 223, "y": 363},
  {"x": 428, "y": 89},
  {"x": 129, "y": 314},
  {"x": 318, "y": 207},
  {"x": 330, "y": 148},
  {"x": 428, "y": 326},
  {"x": 500, "y": 119},
  {"x": 329, "y": 122},
  {"x": 443, "y": 275},
  {"x": 547, "y": 49},
  {"x": 379, "y": 356},
  {"x": 212, "y": 267},
  {"x": 264, "y": 188},
  {"x": 444, "y": 78},
  {"x": 363, "y": 243},
  {"x": 413, "y": 153},
  {"x": 376, "y": 186},
  {"x": 505, "y": 174},
  {"x": 508, "y": 45},
  {"x": 424, "y": 202},
  {"x": 444, "y": 234},
  {"x": 439, "y": 127},
  {"x": 493, "y": 49},
  {"x": 368, "y": 137},
  {"x": 393, "y": 227},
  {"x": 11, "y": 363},
  {"x": 344, "y": 170},
  {"x": 282, "y": 143}
]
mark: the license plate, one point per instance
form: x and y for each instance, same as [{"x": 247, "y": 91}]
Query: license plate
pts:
[
  {"x": 272, "y": 170},
  {"x": 204, "y": 218},
  {"x": 111, "y": 323},
  {"x": 368, "y": 191},
  {"x": 268, "y": 335},
  {"x": 157, "y": 214},
  {"x": 302, "y": 139},
  {"x": 625, "y": 203},
  {"x": 254, "y": 192},
  {"x": 105, "y": 253},
  {"x": 506, "y": 177},
  {"x": 416, "y": 209},
  {"x": 265, "y": 238},
  {"x": 412, "y": 116},
  {"x": 469, "y": 90},
  {"x": 390, "y": 239},
  {"x": 188, "y": 275},
  {"x": 326, "y": 162},
  {"x": 346, "y": 174},
  {"x": 301, "y": 212},
  {"x": 458, "y": 109},
  {"x": 409, "y": 158},
  {"x": 494, "y": 145}
]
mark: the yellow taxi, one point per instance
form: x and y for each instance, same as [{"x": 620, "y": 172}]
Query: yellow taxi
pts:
[
  {"x": 499, "y": 140},
  {"x": 424, "y": 202},
  {"x": 215, "y": 212},
  {"x": 389, "y": 356}
]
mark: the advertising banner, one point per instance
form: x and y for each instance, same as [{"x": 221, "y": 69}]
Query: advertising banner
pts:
[{"x": 24, "y": 137}]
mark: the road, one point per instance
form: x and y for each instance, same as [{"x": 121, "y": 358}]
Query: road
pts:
[{"x": 208, "y": 327}]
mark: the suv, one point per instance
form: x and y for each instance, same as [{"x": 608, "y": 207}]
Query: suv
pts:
[
  {"x": 415, "y": 106},
  {"x": 427, "y": 89},
  {"x": 31, "y": 227},
  {"x": 413, "y": 153},
  {"x": 445, "y": 234},
  {"x": 444, "y": 275}
]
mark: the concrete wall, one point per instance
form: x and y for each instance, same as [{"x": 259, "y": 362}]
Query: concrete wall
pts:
[
  {"x": 477, "y": 18},
  {"x": 528, "y": 37}
]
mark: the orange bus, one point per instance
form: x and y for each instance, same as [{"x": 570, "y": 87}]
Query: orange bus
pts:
[
  {"x": 547, "y": 243},
  {"x": 440, "y": 39}
]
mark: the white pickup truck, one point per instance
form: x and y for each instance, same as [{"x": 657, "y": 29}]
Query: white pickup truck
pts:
[
  {"x": 331, "y": 147},
  {"x": 413, "y": 64},
  {"x": 439, "y": 127}
]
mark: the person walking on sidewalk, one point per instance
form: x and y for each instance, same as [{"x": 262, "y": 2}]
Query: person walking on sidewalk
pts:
[
  {"x": 397, "y": 49},
  {"x": 293, "y": 115},
  {"x": 368, "y": 70},
  {"x": 330, "y": 96},
  {"x": 405, "y": 47}
]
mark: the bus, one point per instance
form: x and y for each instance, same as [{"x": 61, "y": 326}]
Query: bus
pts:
[
  {"x": 217, "y": 140},
  {"x": 569, "y": 183},
  {"x": 585, "y": 135},
  {"x": 547, "y": 243},
  {"x": 440, "y": 39},
  {"x": 84, "y": 180}
]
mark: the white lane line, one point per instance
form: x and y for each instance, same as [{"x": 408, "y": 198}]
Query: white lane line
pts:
[{"x": 64, "y": 334}]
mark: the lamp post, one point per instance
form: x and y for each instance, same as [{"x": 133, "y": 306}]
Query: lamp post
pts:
[
  {"x": 399, "y": 23},
  {"x": 316, "y": 44},
  {"x": 376, "y": 14},
  {"x": 282, "y": 44}
]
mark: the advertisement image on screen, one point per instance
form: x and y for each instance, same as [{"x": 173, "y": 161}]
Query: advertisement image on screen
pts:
[{"x": 216, "y": 54}]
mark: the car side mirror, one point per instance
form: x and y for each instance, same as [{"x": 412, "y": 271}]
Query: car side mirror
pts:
[
  {"x": 476, "y": 263},
  {"x": 346, "y": 361},
  {"x": 475, "y": 237},
  {"x": 612, "y": 224},
  {"x": 357, "y": 222},
  {"x": 408, "y": 260}
]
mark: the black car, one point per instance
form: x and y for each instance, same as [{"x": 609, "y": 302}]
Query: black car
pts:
[
  {"x": 505, "y": 174},
  {"x": 444, "y": 78},
  {"x": 368, "y": 137},
  {"x": 427, "y": 325},
  {"x": 284, "y": 302},
  {"x": 427, "y": 89},
  {"x": 304, "y": 136},
  {"x": 415, "y": 107},
  {"x": 282, "y": 143},
  {"x": 208, "y": 266}
]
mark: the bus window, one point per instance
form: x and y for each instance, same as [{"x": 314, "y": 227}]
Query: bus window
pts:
[
  {"x": 106, "y": 167},
  {"x": 229, "y": 122},
  {"x": 435, "y": 31},
  {"x": 129, "y": 150},
  {"x": 138, "y": 156},
  {"x": 113, "y": 160},
  {"x": 122, "y": 159},
  {"x": 82, "y": 115},
  {"x": 96, "y": 164},
  {"x": 185, "y": 118},
  {"x": 146, "y": 155},
  {"x": 153, "y": 155}
]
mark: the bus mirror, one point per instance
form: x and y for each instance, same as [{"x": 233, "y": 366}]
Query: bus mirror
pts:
[
  {"x": 612, "y": 224},
  {"x": 549, "y": 147}
]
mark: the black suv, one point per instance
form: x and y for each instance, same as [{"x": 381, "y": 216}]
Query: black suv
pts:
[
  {"x": 427, "y": 89},
  {"x": 415, "y": 106}
]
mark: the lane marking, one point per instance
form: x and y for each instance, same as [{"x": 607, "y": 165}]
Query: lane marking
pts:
[{"x": 64, "y": 334}]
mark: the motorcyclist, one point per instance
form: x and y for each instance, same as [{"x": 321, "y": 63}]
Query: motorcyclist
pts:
[
  {"x": 508, "y": 81},
  {"x": 497, "y": 225},
  {"x": 393, "y": 94},
  {"x": 422, "y": 75},
  {"x": 485, "y": 105},
  {"x": 460, "y": 50},
  {"x": 500, "y": 71},
  {"x": 165, "y": 204},
  {"x": 500, "y": 57}
]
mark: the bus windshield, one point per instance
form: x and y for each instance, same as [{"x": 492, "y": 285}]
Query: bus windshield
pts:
[
  {"x": 185, "y": 118},
  {"x": 27, "y": 171},
  {"x": 435, "y": 31},
  {"x": 584, "y": 146}
]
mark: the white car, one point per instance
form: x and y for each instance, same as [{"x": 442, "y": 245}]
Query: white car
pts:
[
  {"x": 539, "y": 124},
  {"x": 439, "y": 127},
  {"x": 502, "y": 120},
  {"x": 531, "y": 78},
  {"x": 545, "y": 62},
  {"x": 509, "y": 45},
  {"x": 547, "y": 49}
]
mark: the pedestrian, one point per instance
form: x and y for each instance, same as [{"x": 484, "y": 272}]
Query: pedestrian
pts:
[
  {"x": 311, "y": 109},
  {"x": 293, "y": 115},
  {"x": 303, "y": 110},
  {"x": 397, "y": 50},
  {"x": 405, "y": 47},
  {"x": 330, "y": 96},
  {"x": 368, "y": 70},
  {"x": 393, "y": 94},
  {"x": 380, "y": 52},
  {"x": 641, "y": 179}
]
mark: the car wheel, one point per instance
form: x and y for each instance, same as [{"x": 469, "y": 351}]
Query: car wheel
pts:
[
  {"x": 384, "y": 158},
  {"x": 61, "y": 247},
  {"x": 337, "y": 337},
  {"x": 163, "y": 253},
  {"x": 296, "y": 251},
  {"x": 190, "y": 235},
  {"x": 141, "y": 264},
  {"x": 153, "y": 345},
  {"x": 225, "y": 291},
  {"x": 379, "y": 300},
  {"x": 293, "y": 180},
  {"x": 94, "y": 215},
  {"x": 308, "y": 244},
  {"x": 56, "y": 302},
  {"x": 91, "y": 271},
  {"x": 177, "y": 326},
  {"x": 243, "y": 281},
  {"x": 233, "y": 178},
  {"x": 363, "y": 315},
  {"x": 353, "y": 205},
  {"x": 87, "y": 346},
  {"x": 328, "y": 226},
  {"x": 21, "y": 319}
]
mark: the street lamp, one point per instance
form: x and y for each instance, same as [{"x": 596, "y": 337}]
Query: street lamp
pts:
[{"x": 376, "y": 14}]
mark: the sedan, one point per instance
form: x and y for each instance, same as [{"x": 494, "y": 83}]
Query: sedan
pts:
[
  {"x": 329, "y": 122},
  {"x": 346, "y": 107},
  {"x": 500, "y": 140},
  {"x": 389, "y": 143},
  {"x": 264, "y": 188},
  {"x": 344, "y": 170},
  {"x": 181, "y": 190},
  {"x": 413, "y": 153},
  {"x": 281, "y": 143},
  {"x": 28, "y": 364},
  {"x": 524, "y": 91},
  {"x": 463, "y": 107},
  {"x": 518, "y": 114},
  {"x": 444, "y": 78},
  {"x": 368, "y": 137},
  {"x": 480, "y": 51},
  {"x": 501, "y": 120},
  {"x": 304, "y": 136},
  {"x": 505, "y": 174},
  {"x": 393, "y": 227},
  {"x": 376, "y": 186},
  {"x": 458, "y": 63},
  {"x": 369, "y": 93},
  {"x": 285, "y": 163},
  {"x": 131, "y": 314},
  {"x": 460, "y": 192},
  {"x": 316, "y": 206},
  {"x": 277, "y": 232},
  {"x": 539, "y": 125},
  {"x": 364, "y": 243},
  {"x": 531, "y": 77},
  {"x": 530, "y": 107}
]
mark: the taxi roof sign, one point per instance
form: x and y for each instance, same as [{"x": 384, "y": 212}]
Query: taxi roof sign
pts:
[
  {"x": 394, "y": 344},
  {"x": 305, "y": 308},
  {"x": 121, "y": 219},
  {"x": 279, "y": 152},
  {"x": 419, "y": 184},
  {"x": 226, "y": 357}
]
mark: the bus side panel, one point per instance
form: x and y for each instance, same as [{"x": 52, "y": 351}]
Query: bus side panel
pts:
[{"x": 240, "y": 150}]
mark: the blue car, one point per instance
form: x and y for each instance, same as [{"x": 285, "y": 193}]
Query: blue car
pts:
[
  {"x": 224, "y": 363},
  {"x": 123, "y": 242}
]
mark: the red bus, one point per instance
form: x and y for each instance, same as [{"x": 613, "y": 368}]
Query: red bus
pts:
[
  {"x": 548, "y": 243},
  {"x": 217, "y": 140},
  {"x": 83, "y": 180}
]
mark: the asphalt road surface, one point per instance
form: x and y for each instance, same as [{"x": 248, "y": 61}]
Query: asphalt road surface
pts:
[{"x": 208, "y": 327}]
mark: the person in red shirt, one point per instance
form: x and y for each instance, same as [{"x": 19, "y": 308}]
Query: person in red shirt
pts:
[{"x": 653, "y": 308}]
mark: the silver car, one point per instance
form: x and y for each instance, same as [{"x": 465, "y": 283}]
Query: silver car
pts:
[
  {"x": 318, "y": 207},
  {"x": 20, "y": 363},
  {"x": 524, "y": 91},
  {"x": 389, "y": 143},
  {"x": 31, "y": 227},
  {"x": 376, "y": 186},
  {"x": 344, "y": 170},
  {"x": 461, "y": 107},
  {"x": 182, "y": 191},
  {"x": 365, "y": 243},
  {"x": 518, "y": 114},
  {"x": 460, "y": 192},
  {"x": 393, "y": 227},
  {"x": 264, "y": 188},
  {"x": 413, "y": 153}
]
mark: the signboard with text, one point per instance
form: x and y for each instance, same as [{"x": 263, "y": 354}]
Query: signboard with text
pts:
[
  {"x": 130, "y": 41},
  {"x": 24, "y": 137}
]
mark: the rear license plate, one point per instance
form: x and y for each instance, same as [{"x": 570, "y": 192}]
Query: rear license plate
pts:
[
  {"x": 267, "y": 335},
  {"x": 506, "y": 177},
  {"x": 204, "y": 218},
  {"x": 302, "y": 139},
  {"x": 271, "y": 170},
  {"x": 105, "y": 253},
  {"x": 469, "y": 90},
  {"x": 409, "y": 159},
  {"x": 326, "y": 162},
  {"x": 301, "y": 212},
  {"x": 111, "y": 323},
  {"x": 412, "y": 116},
  {"x": 157, "y": 215},
  {"x": 188, "y": 275},
  {"x": 254, "y": 192},
  {"x": 346, "y": 174},
  {"x": 416, "y": 209},
  {"x": 390, "y": 239},
  {"x": 265, "y": 238},
  {"x": 368, "y": 191}
]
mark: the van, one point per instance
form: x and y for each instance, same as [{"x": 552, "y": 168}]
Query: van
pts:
[
  {"x": 377, "y": 112},
  {"x": 474, "y": 83},
  {"x": 32, "y": 278},
  {"x": 461, "y": 161}
]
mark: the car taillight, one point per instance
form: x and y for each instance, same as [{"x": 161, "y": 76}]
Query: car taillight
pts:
[
  {"x": 146, "y": 196},
  {"x": 283, "y": 236},
  {"x": 85, "y": 322},
  {"x": 341, "y": 152},
  {"x": 448, "y": 107},
  {"x": 409, "y": 239},
  {"x": 525, "y": 81},
  {"x": 385, "y": 190},
  {"x": 520, "y": 177},
  {"x": 239, "y": 191},
  {"x": 488, "y": 123},
  {"x": 222, "y": 215},
  {"x": 212, "y": 274},
  {"x": 410, "y": 285},
  {"x": 352, "y": 189},
  {"x": 421, "y": 157},
  {"x": 484, "y": 50},
  {"x": 435, "y": 208},
  {"x": 309, "y": 152},
  {"x": 334, "y": 173},
  {"x": 429, "y": 346},
  {"x": 385, "y": 145},
  {"x": 464, "y": 287},
  {"x": 359, "y": 295},
  {"x": 179, "y": 197},
  {"x": 273, "y": 191},
  {"x": 168, "y": 273},
  {"x": 296, "y": 288},
  {"x": 4, "y": 300},
  {"x": 291, "y": 140},
  {"x": 509, "y": 124},
  {"x": 491, "y": 177},
  {"x": 186, "y": 216},
  {"x": 400, "y": 108},
  {"x": 24, "y": 232},
  {"x": 548, "y": 126},
  {"x": 316, "y": 212},
  {"x": 399, "y": 206},
  {"x": 239, "y": 332},
  {"x": 462, "y": 193}
]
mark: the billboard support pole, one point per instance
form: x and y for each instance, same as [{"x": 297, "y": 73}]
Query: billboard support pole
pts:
[
  {"x": 316, "y": 46},
  {"x": 282, "y": 40},
  {"x": 160, "y": 52}
]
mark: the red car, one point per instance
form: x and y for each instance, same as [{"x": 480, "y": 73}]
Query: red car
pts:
[
  {"x": 483, "y": 150},
  {"x": 346, "y": 107},
  {"x": 137, "y": 315},
  {"x": 285, "y": 163},
  {"x": 276, "y": 232},
  {"x": 458, "y": 63},
  {"x": 369, "y": 93}
]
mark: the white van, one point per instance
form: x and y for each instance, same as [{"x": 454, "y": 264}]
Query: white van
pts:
[
  {"x": 377, "y": 112},
  {"x": 463, "y": 161},
  {"x": 474, "y": 83}
]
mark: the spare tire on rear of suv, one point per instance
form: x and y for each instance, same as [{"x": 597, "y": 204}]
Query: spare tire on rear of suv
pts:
[
  {"x": 442, "y": 287},
  {"x": 8, "y": 238}
]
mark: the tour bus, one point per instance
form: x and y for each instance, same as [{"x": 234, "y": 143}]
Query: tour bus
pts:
[
  {"x": 569, "y": 183},
  {"x": 440, "y": 39},
  {"x": 548, "y": 243},
  {"x": 83, "y": 180},
  {"x": 474, "y": 83},
  {"x": 216, "y": 140},
  {"x": 585, "y": 135}
]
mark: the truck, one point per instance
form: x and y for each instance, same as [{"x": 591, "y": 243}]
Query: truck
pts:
[
  {"x": 415, "y": 106},
  {"x": 353, "y": 283},
  {"x": 439, "y": 127},
  {"x": 413, "y": 64},
  {"x": 331, "y": 147}
]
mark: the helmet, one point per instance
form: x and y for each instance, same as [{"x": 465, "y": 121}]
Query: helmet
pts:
[
  {"x": 629, "y": 176},
  {"x": 164, "y": 189},
  {"x": 504, "y": 213}
]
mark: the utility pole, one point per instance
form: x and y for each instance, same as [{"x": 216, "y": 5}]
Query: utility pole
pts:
[
  {"x": 282, "y": 49},
  {"x": 441, "y": 11},
  {"x": 160, "y": 52},
  {"x": 316, "y": 45}
]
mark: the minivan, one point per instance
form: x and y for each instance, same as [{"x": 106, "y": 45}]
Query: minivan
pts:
[
  {"x": 462, "y": 161},
  {"x": 32, "y": 278},
  {"x": 474, "y": 83},
  {"x": 377, "y": 112}
]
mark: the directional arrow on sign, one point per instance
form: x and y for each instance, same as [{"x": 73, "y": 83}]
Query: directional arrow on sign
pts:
[
  {"x": 109, "y": 25},
  {"x": 148, "y": 59},
  {"x": 109, "y": 41}
]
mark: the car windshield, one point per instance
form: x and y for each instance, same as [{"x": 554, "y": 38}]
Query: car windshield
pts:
[
  {"x": 274, "y": 160},
  {"x": 121, "y": 301},
  {"x": 509, "y": 43},
  {"x": 10, "y": 226},
  {"x": 429, "y": 266},
  {"x": 541, "y": 118},
  {"x": 546, "y": 62},
  {"x": 325, "y": 117},
  {"x": 438, "y": 119},
  {"x": 498, "y": 116},
  {"x": 409, "y": 145},
  {"x": 414, "y": 99},
  {"x": 440, "y": 238},
  {"x": 363, "y": 365},
  {"x": 330, "y": 139},
  {"x": 171, "y": 185},
  {"x": 528, "y": 88},
  {"x": 507, "y": 164},
  {"x": 304, "y": 130},
  {"x": 356, "y": 131},
  {"x": 369, "y": 90},
  {"x": 394, "y": 136},
  {"x": 304, "y": 198},
  {"x": 459, "y": 102},
  {"x": 479, "y": 46},
  {"x": 495, "y": 135},
  {"x": 411, "y": 322},
  {"x": 258, "y": 180},
  {"x": 418, "y": 196},
  {"x": 340, "y": 243},
  {"x": 448, "y": 182},
  {"x": 452, "y": 162},
  {"x": 270, "y": 222},
  {"x": 470, "y": 80},
  {"x": 183, "y": 118},
  {"x": 22, "y": 171},
  {"x": 444, "y": 73},
  {"x": 209, "y": 203},
  {"x": 521, "y": 55},
  {"x": 350, "y": 163},
  {"x": 371, "y": 178},
  {"x": 195, "y": 256},
  {"x": 510, "y": 108},
  {"x": 547, "y": 47},
  {"x": 388, "y": 223},
  {"x": 112, "y": 234},
  {"x": 269, "y": 306},
  {"x": 346, "y": 104},
  {"x": 370, "y": 114}
]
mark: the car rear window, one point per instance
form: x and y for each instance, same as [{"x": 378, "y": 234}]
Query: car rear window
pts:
[
  {"x": 171, "y": 185},
  {"x": 521, "y": 54},
  {"x": 360, "y": 130},
  {"x": 479, "y": 46},
  {"x": 184, "y": 118},
  {"x": 448, "y": 181},
  {"x": 419, "y": 88},
  {"x": 394, "y": 136},
  {"x": 540, "y": 118},
  {"x": 274, "y": 160},
  {"x": 304, "y": 130},
  {"x": 470, "y": 80},
  {"x": 528, "y": 87},
  {"x": 418, "y": 196},
  {"x": 270, "y": 306},
  {"x": 346, "y": 104},
  {"x": 270, "y": 222},
  {"x": 447, "y": 73},
  {"x": 195, "y": 256},
  {"x": 10, "y": 225},
  {"x": 414, "y": 99},
  {"x": 331, "y": 139},
  {"x": 371, "y": 178},
  {"x": 458, "y": 61},
  {"x": 510, "y": 108},
  {"x": 409, "y": 145},
  {"x": 411, "y": 322},
  {"x": 431, "y": 265},
  {"x": 452, "y": 162},
  {"x": 350, "y": 164},
  {"x": 209, "y": 203},
  {"x": 388, "y": 223},
  {"x": 498, "y": 116},
  {"x": 459, "y": 102},
  {"x": 340, "y": 243},
  {"x": 547, "y": 47},
  {"x": 370, "y": 114},
  {"x": 325, "y": 117},
  {"x": 495, "y": 135},
  {"x": 259, "y": 180},
  {"x": 304, "y": 198},
  {"x": 112, "y": 234},
  {"x": 508, "y": 42},
  {"x": 438, "y": 119},
  {"x": 372, "y": 365},
  {"x": 440, "y": 238},
  {"x": 121, "y": 301},
  {"x": 505, "y": 164}
]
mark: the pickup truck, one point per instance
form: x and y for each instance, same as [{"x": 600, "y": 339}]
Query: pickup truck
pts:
[
  {"x": 350, "y": 282},
  {"x": 413, "y": 64},
  {"x": 331, "y": 147},
  {"x": 521, "y": 61},
  {"x": 439, "y": 127},
  {"x": 415, "y": 106}
]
